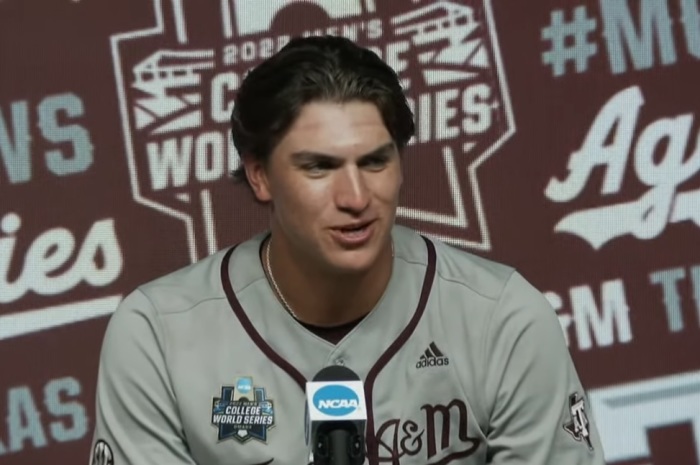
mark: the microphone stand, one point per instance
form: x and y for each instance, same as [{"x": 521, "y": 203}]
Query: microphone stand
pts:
[{"x": 339, "y": 445}]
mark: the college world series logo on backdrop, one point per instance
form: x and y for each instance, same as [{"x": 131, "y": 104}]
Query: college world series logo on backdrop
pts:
[{"x": 176, "y": 83}]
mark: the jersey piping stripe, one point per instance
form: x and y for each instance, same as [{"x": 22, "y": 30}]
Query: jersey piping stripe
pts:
[
  {"x": 372, "y": 444},
  {"x": 250, "y": 329}
]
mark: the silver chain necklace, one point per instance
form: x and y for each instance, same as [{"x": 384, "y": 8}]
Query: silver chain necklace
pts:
[
  {"x": 274, "y": 283},
  {"x": 285, "y": 304}
]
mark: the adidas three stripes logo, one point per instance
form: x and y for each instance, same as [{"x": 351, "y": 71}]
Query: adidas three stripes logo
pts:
[{"x": 432, "y": 357}]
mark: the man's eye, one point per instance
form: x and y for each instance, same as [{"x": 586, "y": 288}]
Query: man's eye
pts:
[
  {"x": 375, "y": 162},
  {"x": 317, "y": 167}
]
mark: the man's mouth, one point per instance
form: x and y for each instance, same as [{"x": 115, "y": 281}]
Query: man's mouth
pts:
[
  {"x": 356, "y": 233},
  {"x": 356, "y": 230}
]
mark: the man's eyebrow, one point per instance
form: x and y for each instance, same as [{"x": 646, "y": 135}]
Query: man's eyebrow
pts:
[{"x": 304, "y": 155}]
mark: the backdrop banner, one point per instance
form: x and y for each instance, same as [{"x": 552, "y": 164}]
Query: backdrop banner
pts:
[{"x": 557, "y": 136}]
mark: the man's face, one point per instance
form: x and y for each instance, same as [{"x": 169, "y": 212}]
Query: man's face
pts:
[{"x": 333, "y": 182}]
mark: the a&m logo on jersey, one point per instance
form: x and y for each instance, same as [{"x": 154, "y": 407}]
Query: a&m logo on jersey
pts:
[
  {"x": 243, "y": 412},
  {"x": 177, "y": 80},
  {"x": 578, "y": 426}
]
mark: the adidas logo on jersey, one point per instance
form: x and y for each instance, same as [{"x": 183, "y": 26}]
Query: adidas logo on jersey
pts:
[{"x": 432, "y": 357}]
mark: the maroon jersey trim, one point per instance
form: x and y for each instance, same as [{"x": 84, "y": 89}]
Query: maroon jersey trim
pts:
[
  {"x": 372, "y": 446},
  {"x": 250, "y": 329}
]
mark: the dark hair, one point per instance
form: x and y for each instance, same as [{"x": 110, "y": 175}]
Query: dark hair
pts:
[{"x": 307, "y": 70}]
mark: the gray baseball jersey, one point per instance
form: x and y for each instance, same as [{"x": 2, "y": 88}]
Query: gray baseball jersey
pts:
[{"x": 463, "y": 361}]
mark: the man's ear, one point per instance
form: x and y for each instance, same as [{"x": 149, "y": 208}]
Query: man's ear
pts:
[{"x": 256, "y": 172}]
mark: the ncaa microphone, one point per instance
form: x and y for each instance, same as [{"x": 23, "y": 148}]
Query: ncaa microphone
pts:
[{"x": 336, "y": 417}]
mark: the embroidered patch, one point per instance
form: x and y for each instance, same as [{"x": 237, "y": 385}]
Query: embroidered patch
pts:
[
  {"x": 578, "y": 426},
  {"x": 243, "y": 412},
  {"x": 102, "y": 454}
]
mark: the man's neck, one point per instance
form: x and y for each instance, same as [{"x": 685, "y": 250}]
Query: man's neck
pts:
[{"x": 324, "y": 299}]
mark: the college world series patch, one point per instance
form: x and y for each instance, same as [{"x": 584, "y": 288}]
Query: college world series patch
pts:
[{"x": 243, "y": 412}]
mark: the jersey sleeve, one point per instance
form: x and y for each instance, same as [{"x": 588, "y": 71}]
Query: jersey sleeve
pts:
[
  {"x": 539, "y": 410},
  {"x": 137, "y": 421}
]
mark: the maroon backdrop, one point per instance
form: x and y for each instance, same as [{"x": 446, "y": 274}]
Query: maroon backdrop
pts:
[{"x": 558, "y": 136}]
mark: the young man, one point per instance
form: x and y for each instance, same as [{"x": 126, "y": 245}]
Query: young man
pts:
[{"x": 463, "y": 361}]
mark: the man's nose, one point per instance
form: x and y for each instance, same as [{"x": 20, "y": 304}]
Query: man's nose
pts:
[{"x": 352, "y": 192}]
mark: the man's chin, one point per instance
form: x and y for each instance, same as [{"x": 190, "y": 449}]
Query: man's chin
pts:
[{"x": 355, "y": 262}]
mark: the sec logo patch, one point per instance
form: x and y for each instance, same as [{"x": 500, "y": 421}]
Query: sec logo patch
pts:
[{"x": 102, "y": 454}]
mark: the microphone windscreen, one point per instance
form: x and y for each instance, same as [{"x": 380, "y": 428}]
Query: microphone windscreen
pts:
[{"x": 336, "y": 373}]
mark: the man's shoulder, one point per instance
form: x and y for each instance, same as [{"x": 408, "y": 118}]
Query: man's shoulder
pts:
[
  {"x": 480, "y": 275},
  {"x": 192, "y": 284},
  {"x": 185, "y": 287},
  {"x": 503, "y": 285},
  {"x": 483, "y": 276}
]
